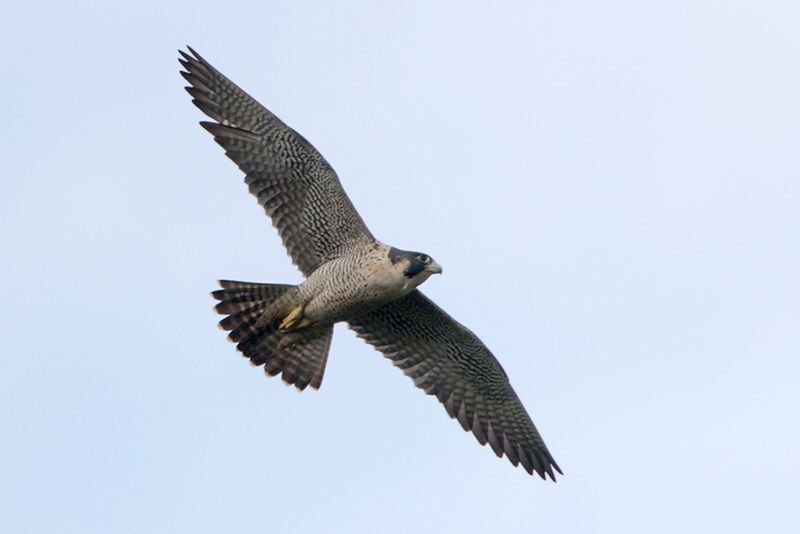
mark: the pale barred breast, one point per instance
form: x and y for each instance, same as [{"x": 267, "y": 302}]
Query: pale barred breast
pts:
[{"x": 353, "y": 284}]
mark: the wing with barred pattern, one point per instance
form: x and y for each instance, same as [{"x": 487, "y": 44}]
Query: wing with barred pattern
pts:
[
  {"x": 292, "y": 181},
  {"x": 445, "y": 359}
]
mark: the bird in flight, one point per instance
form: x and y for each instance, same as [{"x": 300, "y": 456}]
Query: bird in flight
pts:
[{"x": 351, "y": 277}]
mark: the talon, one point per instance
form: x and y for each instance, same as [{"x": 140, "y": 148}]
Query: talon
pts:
[{"x": 294, "y": 319}]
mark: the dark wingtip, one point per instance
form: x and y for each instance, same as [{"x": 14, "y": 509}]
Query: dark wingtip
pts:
[
  {"x": 186, "y": 58},
  {"x": 212, "y": 128},
  {"x": 549, "y": 470},
  {"x": 224, "y": 131}
]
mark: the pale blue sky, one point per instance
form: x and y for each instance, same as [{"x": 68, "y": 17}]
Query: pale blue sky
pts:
[{"x": 612, "y": 188}]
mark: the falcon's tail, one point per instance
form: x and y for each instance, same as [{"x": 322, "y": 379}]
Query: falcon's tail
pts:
[{"x": 252, "y": 310}]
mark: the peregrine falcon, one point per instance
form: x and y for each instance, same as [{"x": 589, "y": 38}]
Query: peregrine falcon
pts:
[{"x": 351, "y": 277}]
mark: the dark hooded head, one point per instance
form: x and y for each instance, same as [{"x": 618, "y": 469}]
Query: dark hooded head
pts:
[{"x": 414, "y": 264}]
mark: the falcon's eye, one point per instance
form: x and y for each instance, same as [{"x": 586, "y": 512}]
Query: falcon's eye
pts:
[{"x": 423, "y": 258}]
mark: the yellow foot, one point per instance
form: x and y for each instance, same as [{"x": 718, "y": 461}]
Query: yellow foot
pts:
[{"x": 294, "y": 319}]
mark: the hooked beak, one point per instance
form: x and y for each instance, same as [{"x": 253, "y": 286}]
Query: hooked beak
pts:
[{"x": 434, "y": 268}]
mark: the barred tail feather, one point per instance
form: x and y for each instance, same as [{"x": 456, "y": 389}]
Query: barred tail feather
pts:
[
  {"x": 298, "y": 355},
  {"x": 245, "y": 304},
  {"x": 305, "y": 353}
]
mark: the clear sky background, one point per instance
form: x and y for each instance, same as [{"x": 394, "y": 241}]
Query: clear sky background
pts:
[{"x": 612, "y": 188}]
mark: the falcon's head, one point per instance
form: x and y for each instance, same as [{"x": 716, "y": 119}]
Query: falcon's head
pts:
[{"x": 416, "y": 266}]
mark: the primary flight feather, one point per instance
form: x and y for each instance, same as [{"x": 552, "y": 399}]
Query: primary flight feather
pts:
[{"x": 350, "y": 277}]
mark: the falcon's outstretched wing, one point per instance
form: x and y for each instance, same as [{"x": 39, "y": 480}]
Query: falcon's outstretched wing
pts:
[
  {"x": 447, "y": 360},
  {"x": 292, "y": 181}
]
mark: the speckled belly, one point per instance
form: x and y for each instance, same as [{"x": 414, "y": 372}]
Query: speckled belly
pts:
[{"x": 350, "y": 286}]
